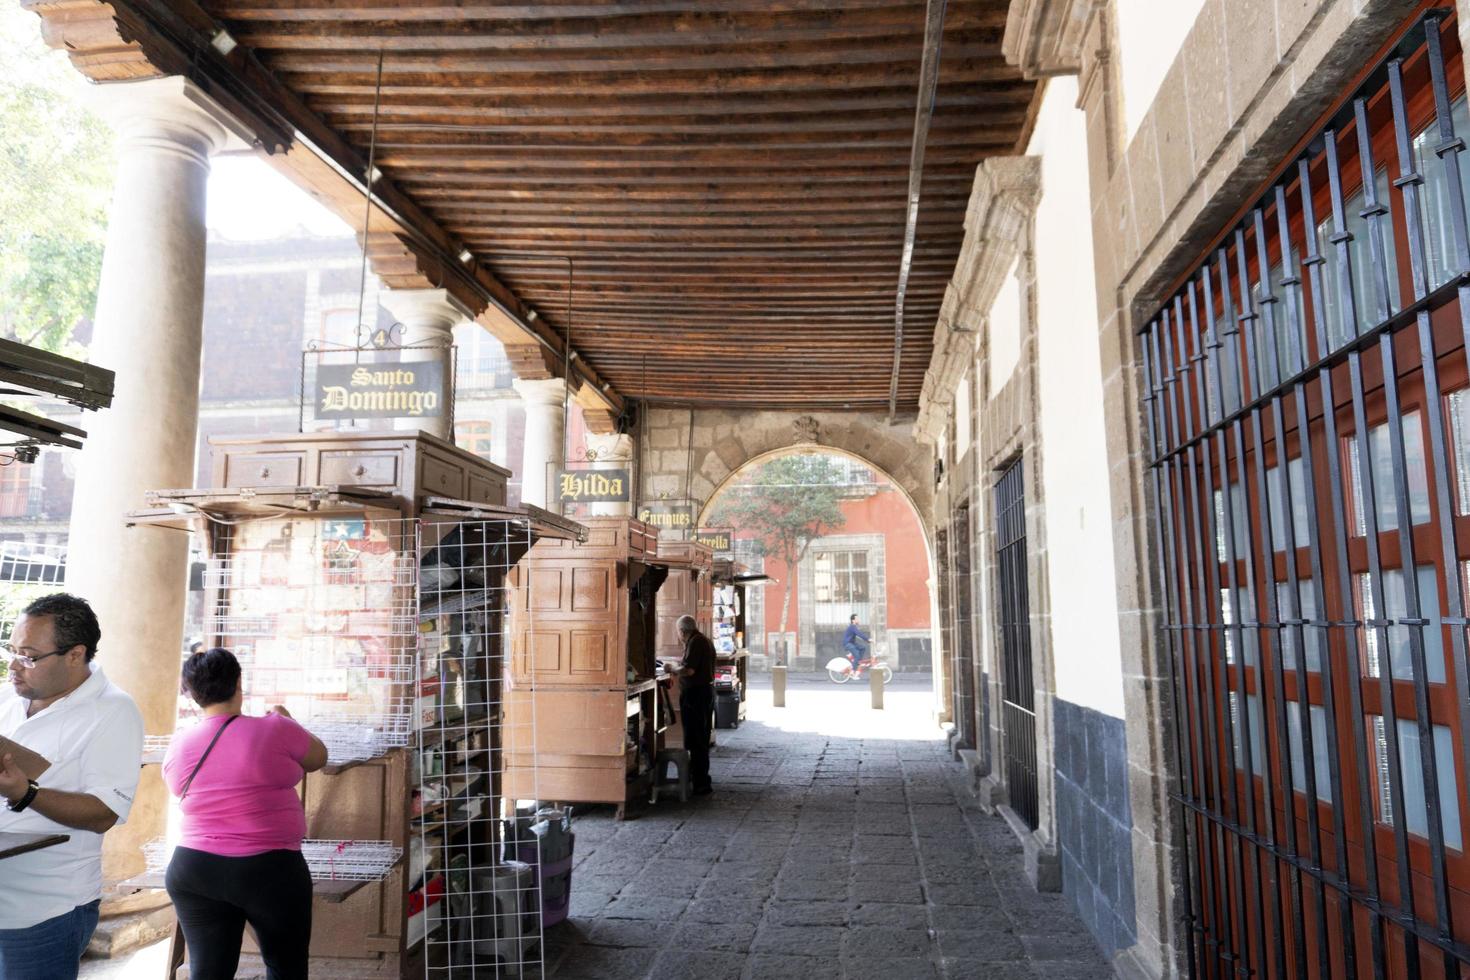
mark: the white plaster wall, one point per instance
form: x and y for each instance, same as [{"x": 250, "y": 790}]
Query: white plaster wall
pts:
[
  {"x": 1074, "y": 459},
  {"x": 1150, "y": 34},
  {"x": 1003, "y": 329}
]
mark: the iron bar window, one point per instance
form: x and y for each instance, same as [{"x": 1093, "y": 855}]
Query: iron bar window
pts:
[{"x": 1308, "y": 414}]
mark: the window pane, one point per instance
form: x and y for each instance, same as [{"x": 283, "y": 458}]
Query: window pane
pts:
[
  {"x": 1385, "y": 506},
  {"x": 1372, "y": 307},
  {"x": 1400, "y": 651},
  {"x": 1227, "y": 615},
  {"x": 1321, "y": 771},
  {"x": 1316, "y": 636},
  {"x": 1439, "y": 234},
  {"x": 1274, "y": 355},
  {"x": 1237, "y": 511},
  {"x": 1258, "y": 741},
  {"x": 1297, "y": 482},
  {"x": 1460, "y": 444},
  {"x": 1411, "y": 769}
]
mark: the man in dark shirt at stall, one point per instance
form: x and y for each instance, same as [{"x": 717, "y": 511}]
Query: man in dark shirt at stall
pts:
[{"x": 696, "y": 675}]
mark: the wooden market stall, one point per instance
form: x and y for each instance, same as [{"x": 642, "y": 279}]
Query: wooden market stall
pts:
[
  {"x": 583, "y": 666},
  {"x": 359, "y": 578}
]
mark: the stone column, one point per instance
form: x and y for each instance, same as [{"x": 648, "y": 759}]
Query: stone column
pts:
[
  {"x": 428, "y": 317},
  {"x": 613, "y": 451},
  {"x": 149, "y": 330},
  {"x": 546, "y": 420}
]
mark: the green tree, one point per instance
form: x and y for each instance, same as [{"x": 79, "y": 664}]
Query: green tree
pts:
[
  {"x": 55, "y": 176},
  {"x": 789, "y": 501}
]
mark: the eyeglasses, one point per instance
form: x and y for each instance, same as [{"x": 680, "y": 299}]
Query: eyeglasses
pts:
[{"x": 25, "y": 660}]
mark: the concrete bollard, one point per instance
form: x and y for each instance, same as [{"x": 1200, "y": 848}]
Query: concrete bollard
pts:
[
  {"x": 875, "y": 688},
  {"x": 778, "y": 686}
]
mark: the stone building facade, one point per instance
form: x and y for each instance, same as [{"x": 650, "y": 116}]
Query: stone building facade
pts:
[{"x": 1163, "y": 126}]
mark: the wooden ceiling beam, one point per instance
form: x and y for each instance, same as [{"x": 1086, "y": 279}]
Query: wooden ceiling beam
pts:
[
  {"x": 516, "y": 10},
  {"x": 893, "y": 26},
  {"x": 397, "y": 103},
  {"x": 492, "y": 80}
]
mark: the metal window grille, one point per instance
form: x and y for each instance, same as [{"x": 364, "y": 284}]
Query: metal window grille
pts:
[
  {"x": 1018, "y": 691},
  {"x": 1304, "y": 409}
]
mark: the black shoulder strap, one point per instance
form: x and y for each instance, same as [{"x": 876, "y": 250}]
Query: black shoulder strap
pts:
[{"x": 207, "y": 749}]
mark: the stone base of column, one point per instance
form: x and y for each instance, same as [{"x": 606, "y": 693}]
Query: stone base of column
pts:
[{"x": 118, "y": 935}]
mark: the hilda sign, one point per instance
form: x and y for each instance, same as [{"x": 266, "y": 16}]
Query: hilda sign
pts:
[
  {"x": 412, "y": 389},
  {"x": 593, "y": 486}
]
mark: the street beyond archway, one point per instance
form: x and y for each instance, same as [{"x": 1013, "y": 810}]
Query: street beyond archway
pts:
[{"x": 838, "y": 844}]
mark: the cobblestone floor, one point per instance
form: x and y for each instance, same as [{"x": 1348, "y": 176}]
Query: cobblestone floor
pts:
[{"x": 837, "y": 845}]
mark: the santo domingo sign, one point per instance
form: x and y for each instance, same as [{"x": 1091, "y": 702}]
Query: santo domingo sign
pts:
[
  {"x": 380, "y": 391},
  {"x": 593, "y": 486}
]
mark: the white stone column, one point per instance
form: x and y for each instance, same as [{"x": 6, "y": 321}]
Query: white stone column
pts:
[
  {"x": 429, "y": 317},
  {"x": 613, "y": 451},
  {"x": 546, "y": 420},
  {"x": 149, "y": 330}
]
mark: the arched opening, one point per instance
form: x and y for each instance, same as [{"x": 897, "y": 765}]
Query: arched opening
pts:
[{"x": 839, "y": 538}]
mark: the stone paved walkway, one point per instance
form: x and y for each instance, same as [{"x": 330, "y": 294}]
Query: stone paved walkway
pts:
[{"x": 837, "y": 845}]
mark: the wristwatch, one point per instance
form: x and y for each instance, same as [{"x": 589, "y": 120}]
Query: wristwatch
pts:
[{"x": 32, "y": 788}]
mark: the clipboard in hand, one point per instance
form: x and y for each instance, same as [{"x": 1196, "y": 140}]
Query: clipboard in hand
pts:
[{"x": 30, "y": 763}]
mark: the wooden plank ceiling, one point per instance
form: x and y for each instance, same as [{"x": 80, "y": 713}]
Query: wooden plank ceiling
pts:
[{"x": 727, "y": 177}]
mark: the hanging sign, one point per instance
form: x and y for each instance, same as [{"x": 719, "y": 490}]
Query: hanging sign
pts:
[
  {"x": 594, "y": 486},
  {"x": 668, "y": 515},
  {"x": 412, "y": 389},
  {"x": 720, "y": 540}
]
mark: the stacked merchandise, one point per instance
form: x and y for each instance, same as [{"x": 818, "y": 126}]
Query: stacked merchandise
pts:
[
  {"x": 543, "y": 838},
  {"x": 320, "y": 615}
]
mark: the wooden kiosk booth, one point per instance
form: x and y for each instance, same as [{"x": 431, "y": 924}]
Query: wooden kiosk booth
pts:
[
  {"x": 360, "y": 579},
  {"x": 584, "y": 672}
]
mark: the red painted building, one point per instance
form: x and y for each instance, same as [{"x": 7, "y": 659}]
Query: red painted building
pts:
[{"x": 875, "y": 565}]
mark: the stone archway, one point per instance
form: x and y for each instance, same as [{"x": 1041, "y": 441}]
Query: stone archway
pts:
[{"x": 691, "y": 453}]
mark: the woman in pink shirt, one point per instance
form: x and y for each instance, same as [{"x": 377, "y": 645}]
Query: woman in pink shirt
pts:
[{"x": 239, "y": 859}]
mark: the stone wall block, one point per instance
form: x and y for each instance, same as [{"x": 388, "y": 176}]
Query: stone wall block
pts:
[
  {"x": 1292, "y": 19},
  {"x": 1250, "y": 49},
  {"x": 1173, "y": 139},
  {"x": 731, "y": 452},
  {"x": 1205, "y": 58},
  {"x": 1145, "y": 185}
]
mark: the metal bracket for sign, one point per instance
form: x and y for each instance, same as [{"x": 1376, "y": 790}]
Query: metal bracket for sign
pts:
[{"x": 321, "y": 349}]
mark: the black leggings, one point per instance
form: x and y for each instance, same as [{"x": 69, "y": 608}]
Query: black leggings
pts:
[{"x": 215, "y": 896}]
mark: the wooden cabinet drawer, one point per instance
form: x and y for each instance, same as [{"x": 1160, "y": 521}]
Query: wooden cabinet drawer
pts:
[
  {"x": 359, "y": 469},
  {"x": 485, "y": 489},
  {"x": 264, "y": 470},
  {"x": 440, "y": 478}
]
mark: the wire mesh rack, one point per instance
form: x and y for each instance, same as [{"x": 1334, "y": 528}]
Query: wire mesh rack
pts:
[
  {"x": 327, "y": 860},
  {"x": 322, "y": 614},
  {"x": 481, "y": 878}
]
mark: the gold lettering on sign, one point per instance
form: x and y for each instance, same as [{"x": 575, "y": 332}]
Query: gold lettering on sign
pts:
[
  {"x": 382, "y": 394},
  {"x": 576, "y": 486},
  {"x": 667, "y": 518}
]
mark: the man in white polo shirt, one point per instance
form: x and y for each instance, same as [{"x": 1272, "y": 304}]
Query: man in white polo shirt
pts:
[{"x": 59, "y": 704}]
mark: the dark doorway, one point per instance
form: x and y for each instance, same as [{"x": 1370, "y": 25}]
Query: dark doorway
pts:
[
  {"x": 1018, "y": 693},
  {"x": 964, "y": 636}
]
